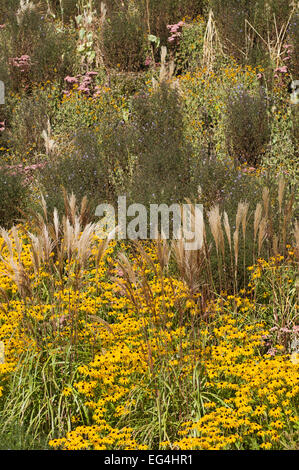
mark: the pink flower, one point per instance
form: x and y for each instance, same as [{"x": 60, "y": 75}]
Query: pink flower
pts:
[
  {"x": 282, "y": 69},
  {"x": 69, "y": 79}
]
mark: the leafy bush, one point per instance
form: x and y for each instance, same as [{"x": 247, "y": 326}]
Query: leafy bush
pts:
[
  {"x": 169, "y": 12},
  {"x": 189, "y": 53},
  {"x": 247, "y": 126},
  {"x": 32, "y": 49},
  {"x": 14, "y": 195},
  {"x": 240, "y": 39},
  {"x": 124, "y": 41},
  {"x": 29, "y": 119},
  {"x": 80, "y": 169},
  {"x": 163, "y": 155}
]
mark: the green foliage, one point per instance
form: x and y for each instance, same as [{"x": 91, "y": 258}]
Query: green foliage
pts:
[
  {"x": 124, "y": 41},
  {"x": 14, "y": 195},
  {"x": 240, "y": 40},
  {"x": 34, "y": 399},
  {"x": 31, "y": 115},
  {"x": 170, "y": 12},
  {"x": 189, "y": 54},
  {"x": 247, "y": 126},
  {"x": 33, "y": 49},
  {"x": 161, "y": 149}
]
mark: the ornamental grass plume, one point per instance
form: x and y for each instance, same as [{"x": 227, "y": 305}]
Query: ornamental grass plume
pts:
[{"x": 191, "y": 264}]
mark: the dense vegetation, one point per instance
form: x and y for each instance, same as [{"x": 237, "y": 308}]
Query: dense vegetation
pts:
[{"x": 115, "y": 344}]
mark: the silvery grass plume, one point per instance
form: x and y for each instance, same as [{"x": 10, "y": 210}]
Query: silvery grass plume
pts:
[
  {"x": 281, "y": 188},
  {"x": 216, "y": 228},
  {"x": 49, "y": 142},
  {"x": 25, "y": 6}
]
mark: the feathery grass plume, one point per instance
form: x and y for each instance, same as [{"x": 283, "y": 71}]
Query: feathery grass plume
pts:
[
  {"x": 18, "y": 243},
  {"x": 227, "y": 230},
  {"x": 18, "y": 274},
  {"x": 216, "y": 228},
  {"x": 83, "y": 245},
  {"x": 217, "y": 232},
  {"x": 281, "y": 188},
  {"x": 127, "y": 269},
  {"x": 236, "y": 233},
  {"x": 163, "y": 253},
  {"x": 256, "y": 223},
  {"x": 239, "y": 218},
  {"x": 190, "y": 264},
  {"x": 262, "y": 233},
  {"x": 49, "y": 143},
  {"x": 257, "y": 219},
  {"x": 245, "y": 207},
  {"x": 36, "y": 252},
  {"x": 56, "y": 225},
  {"x": 229, "y": 239},
  {"x": 265, "y": 197},
  {"x": 47, "y": 244},
  {"x": 166, "y": 71},
  {"x": 7, "y": 241},
  {"x": 25, "y": 7}
]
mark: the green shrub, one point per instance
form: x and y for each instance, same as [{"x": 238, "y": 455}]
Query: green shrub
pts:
[
  {"x": 170, "y": 12},
  {"x": 32, "y": 49},
  {"x": 189, "y": 54},
  {"x": 163, "y": 172},
  {"x": 14, "y": 195},
  {"x": 247, "y": 127},
  {"x": 29, "y": 119},
  {"x": 239, "y": 39},
  {"x": 124, "y": 41},
  {"x": 80, "y": 169}
]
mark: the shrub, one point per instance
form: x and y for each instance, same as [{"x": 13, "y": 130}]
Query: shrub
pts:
[
  {"x": 240, "y": 40},
  {"x": 169, "y": 12},
  {"x": 32, "y": 49},
  {"x": 161, "y": 149},
  {"x": 247, "y": 126},
  {"x": 80, "y": 169},
  {"x": 190, "y": 48},
  {"x": 14, "y": 195},
  {"x": 29, "y": 119},
  {"x": 124, "y": 41}
]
